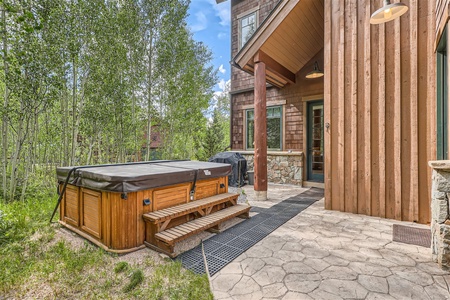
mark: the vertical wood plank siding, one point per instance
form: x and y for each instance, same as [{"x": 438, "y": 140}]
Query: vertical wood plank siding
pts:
[
  {"x": 327, "y": 106},
  {"x": 380, "y": 103}
]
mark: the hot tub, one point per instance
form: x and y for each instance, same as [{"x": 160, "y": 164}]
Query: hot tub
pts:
[{"x": 105, "y": 203}]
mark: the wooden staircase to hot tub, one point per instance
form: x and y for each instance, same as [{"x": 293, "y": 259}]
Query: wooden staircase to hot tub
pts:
[{"x": 164, "y": 228}]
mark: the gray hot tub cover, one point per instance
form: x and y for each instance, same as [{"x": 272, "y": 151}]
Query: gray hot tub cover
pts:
[{"x": 141, "y": 176}]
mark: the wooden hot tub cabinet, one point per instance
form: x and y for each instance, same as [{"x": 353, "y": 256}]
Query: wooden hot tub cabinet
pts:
[{"x": 111, "y": 217}]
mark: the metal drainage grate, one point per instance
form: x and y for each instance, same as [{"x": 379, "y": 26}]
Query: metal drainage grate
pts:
[
  {"x": 210, "y": 246},
  {"x": 223, "y": 237},
  {"x": 224, "y": 247},
  {"x": 258, "y": 210},
  {"x": 227, "y": 253},
  {"x": 215, "y": 264},
  {"x": 241, "y": 243},
  {"x": 254, "y": 236}
]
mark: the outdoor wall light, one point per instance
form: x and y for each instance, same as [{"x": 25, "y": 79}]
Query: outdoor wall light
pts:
[
  {"x": 316, "y": 73},
  {"x": 388, "y": 12}
]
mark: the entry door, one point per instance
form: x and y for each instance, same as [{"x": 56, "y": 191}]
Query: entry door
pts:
[{"x": 315, "y": 161}]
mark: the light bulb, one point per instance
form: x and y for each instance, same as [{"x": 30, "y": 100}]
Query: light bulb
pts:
[{"x": 387, "y": 13}]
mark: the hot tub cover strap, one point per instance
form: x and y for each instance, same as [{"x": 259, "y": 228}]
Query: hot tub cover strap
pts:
[{"x": 192, "y": 193}]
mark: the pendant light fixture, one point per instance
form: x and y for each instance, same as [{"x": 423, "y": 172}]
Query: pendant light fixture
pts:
[
  {"x": 388, "y": 12},
  {"x": 316, "y": 73}
]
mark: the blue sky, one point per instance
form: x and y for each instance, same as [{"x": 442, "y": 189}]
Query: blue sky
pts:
[{"x": 210, "y": 23}]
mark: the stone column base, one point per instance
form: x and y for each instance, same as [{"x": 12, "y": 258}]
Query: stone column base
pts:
[
  {"x": 440, "y": 238},
  {"x": 260, "y": 195}
]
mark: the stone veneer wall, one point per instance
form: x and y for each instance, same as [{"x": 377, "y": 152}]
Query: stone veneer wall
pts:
[
  {"x": 440, "y": 222},
  {"x": 282, "y": 167}
]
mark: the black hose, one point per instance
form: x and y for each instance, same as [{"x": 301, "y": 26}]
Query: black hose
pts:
[{"x": 99, "y": 166}]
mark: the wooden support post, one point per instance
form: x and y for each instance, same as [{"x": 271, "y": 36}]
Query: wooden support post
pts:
[{"x": 260, "y": 136}]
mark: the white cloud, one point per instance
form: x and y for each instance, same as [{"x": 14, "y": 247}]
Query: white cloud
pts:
[
  {"x": 222, "y": 11},
  {"x": 222, "y": 69},
  {"x": 221, "y": 35},
  {"x": 223, "y": 85},
  {"x": 202, "y": 22}
]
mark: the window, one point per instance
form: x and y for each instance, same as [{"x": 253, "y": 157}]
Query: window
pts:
[
  {"x": 274, "y": 128},
  {"x": 247, "y": 26},
  {"x": 442, "y": 101}
]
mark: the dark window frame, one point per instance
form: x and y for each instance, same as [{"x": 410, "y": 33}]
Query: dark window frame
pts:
[
  {"x": 240, "y": 27},
  {"x": 249, "y": 126},
  {"x": 442, "y": 98}
]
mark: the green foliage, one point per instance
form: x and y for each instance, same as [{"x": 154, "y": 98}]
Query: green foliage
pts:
[
  {"x": 214, "y": 141},
  {"x": 136, "y": 278},
  {"x": 80, "y": 81},
  {"x": 121, "y": 266},
  {"x": 171, "y": 281},
  {"x": 83, "y": 81},
  {"x": 38, "y": 261}
]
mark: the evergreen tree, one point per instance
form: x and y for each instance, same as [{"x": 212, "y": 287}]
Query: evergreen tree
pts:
[{"x": 214, "y": 141}]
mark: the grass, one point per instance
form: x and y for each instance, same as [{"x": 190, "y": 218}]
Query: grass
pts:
[{"x": 37, "y": 261}]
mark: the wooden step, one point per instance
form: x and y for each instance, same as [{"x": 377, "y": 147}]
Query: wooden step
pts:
[
  {"x": 180, "y": 232},
  {"x": 191, "y": 207}
]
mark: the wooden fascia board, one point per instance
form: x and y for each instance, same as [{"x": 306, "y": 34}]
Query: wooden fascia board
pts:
[
  {"x": 264, "y": 32},
  {"x": 274, "y": 66}
]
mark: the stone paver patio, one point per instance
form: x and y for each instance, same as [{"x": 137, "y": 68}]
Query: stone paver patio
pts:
[{"x": 323, "y": 254}]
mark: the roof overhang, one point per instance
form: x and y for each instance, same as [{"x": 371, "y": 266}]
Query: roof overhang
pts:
[{"x": 289, "y": 37}]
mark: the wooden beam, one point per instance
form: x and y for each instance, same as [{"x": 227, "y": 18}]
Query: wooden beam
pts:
[
  {"x": 250, "y": 69},
  {"x": 275, "y": 67},
  {"x": 397, "y": 124},
  {"x": 327, "y": 104},
  {"x": 341, "y": 102},
  {"x": 414, "y": 179},
  {"x": 367, "y": 114},
  {"x": 353, "y": 118},
  {"x": 382, "y": 119},
  {"x": 260, "y": 135}
]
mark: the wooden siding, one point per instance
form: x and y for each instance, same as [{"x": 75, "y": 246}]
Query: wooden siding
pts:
[
  {"x": 286, "y": 41},
  {"x": 293, "y": 109},
  {"x": 380, "y": 102},
  {"x": 116, "y": 224},
  {"x": 241, "y": 80},
  {"x": 304, "y": 26}
]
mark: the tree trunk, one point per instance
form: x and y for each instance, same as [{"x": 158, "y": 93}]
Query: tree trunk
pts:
[
  {"x": 65, "y": 122},
  {"x": 77, "y": 117},
  {"x": 149, "y": 95},
  {"x": 99, "y": 145},
  {"x": 5, "y": 106},
  {"x": 29, "y": 159},
  {"x": 74, "y": 112},
  {"x": 15, "y": 158}
]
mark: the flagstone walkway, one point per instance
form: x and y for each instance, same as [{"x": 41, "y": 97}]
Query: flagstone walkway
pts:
[{"x": 323, "y": 254}]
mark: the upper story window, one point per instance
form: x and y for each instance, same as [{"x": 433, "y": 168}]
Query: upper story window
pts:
[{"x": 247, "y": 27}]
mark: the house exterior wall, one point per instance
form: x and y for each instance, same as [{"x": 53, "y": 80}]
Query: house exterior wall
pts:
[
  {"x": 241, "y": 80},
  {"x": 290, "y": 96},
  {"x": 380, "y": 98}
]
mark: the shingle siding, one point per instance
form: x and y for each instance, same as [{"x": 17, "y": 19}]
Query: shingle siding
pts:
[{"x": 292, "y": 94}]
